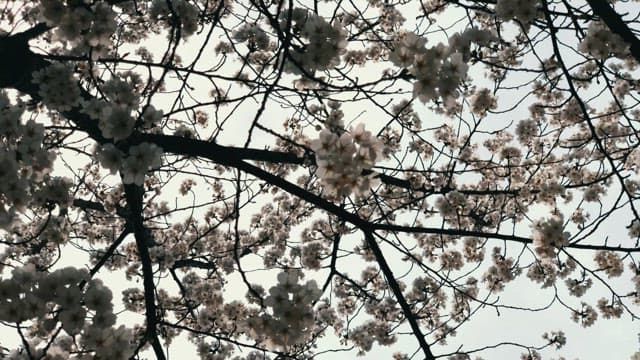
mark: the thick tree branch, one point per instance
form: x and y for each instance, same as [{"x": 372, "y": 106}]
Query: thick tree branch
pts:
[
  {"x": 133, "y": 194},
  {"x": 397, "y": 292},
  {"x": 205, "y": 150},
  {"x": 614, "y": 21}
]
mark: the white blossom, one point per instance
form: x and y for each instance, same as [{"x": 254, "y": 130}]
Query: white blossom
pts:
[
  {"x": 341, "y": 159},
  {"x": 600, "y": 42},
  {"x": 549, "y": 235},
  {"x": 57, "y": 87},
  {"x": 140, "y": 159},
  {"x": 524, "y": 11}
]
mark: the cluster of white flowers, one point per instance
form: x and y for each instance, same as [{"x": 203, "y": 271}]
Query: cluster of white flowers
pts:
[
  {"x": 501, "y": 272},
  {"x": 451, "y": 260},
  {"x": 461, "y": 42},
  {"x": 610, "y": 309},
  {"x": 54, "y": 229},
  {"x": 365, "y": 335},
  {"x": 151, "y": 116},
  {"x": 456, "y": 357},
  {"x": 634, "y": 229},
  {"x": 610, "y": 262},
  {"x": 543, "y": 273},
  {"x": 57, "y": 87},
  {"x": 58, "y": 297},
  {"x": 342, "y": 156},
  {"x": 526, "y": 130},
  {"x": 524, "y": 11},
  {"x": 82, "y": 24},
  {"x": 181, "y": 10},
  {"x": 636, "y": 282},
  {"x": 587, "y": 316},
  {"x": 108, "y": 344},
  {"x": 54, "y": 191},
  {"x": 549, "y": 235},
  {"x": 312, "y": 254},
  {"x": 578, "y": 288},
  {"x": 253, "y": 35},
  {"x": 409, "y": 46},
  {"x": 24, "y": 179},
  {"x": 115, "y": 112},
  {"x": 549, "y": 190},
  {"x": 116, "y": 122},
  {"x": 322, "y": 43},
  {"x": 557, "y": 338},
  {"x": 633, "y": 159},
  {"x": 440, "y": 69},
  {"x": 9, "y": 117},
  {"x": 483, "y": 101},
  {"x": 133, "y": 166},
  {"x": 13, "y": 187},
  {"x": 292, "y": 315},
  {"x": 530, "y": 355},
  {"x": 593, "y": 193},
  {"x": 53, "y": 352},
  {"x": 119, "y": 90},
  {"x": 473, "y": 249},
  {"x": 600, "y": 42},
  {"x": 448, "y": 205},
  {"x": 110, "y": 157}
]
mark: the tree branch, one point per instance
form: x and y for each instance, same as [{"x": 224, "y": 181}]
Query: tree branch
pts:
[
  {"x": 397, "y": 292},
  {"x": 615, "y": 23},
  {"x": 133, "y": 194}
]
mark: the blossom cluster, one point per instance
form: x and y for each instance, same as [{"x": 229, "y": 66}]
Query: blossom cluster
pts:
[
  {"x": 526, "y": 130},
  {"x": 448, "y": 205},
  {"x": 185, "y": 13},
  {"x": 252, "y": 34},
  {"x": 65, "y": 296},
  {"x": 342, "y": 156},
  {"x": 483, "y": 101},
  {"x": 634, "y": 229},
  {"x": 547, "y": 273},
  {"x": 501, "y": 272},
  {"x": 364, "y": 336},
  {"x": 577, "y": 287},
  {"x": 116, "y": 122},
  {"x": 322, "y": 43},
  {"x": 600, "y": 42},
  {"x": 81, "y": 24},
  {"x": 133, "y": 166},
  {"x": 549, "y": 235},
  {"x": 440, "y": 69},
  {"x": 524, "y": 11},
  {"x": 610, "y": 309},
  {"x": 557, "y": 338},
  {"x": 292, "y": 315},
  {"x": 609, "y": 262},
  {"x": 587, "y": 315},
  {"x": 633, "y": 159},
  {"x": 114, "y": 112},
  {"x": 24, "y": 175},
  {"x": 57, "y": 87},
  {"x": 54, "y": 191}
]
